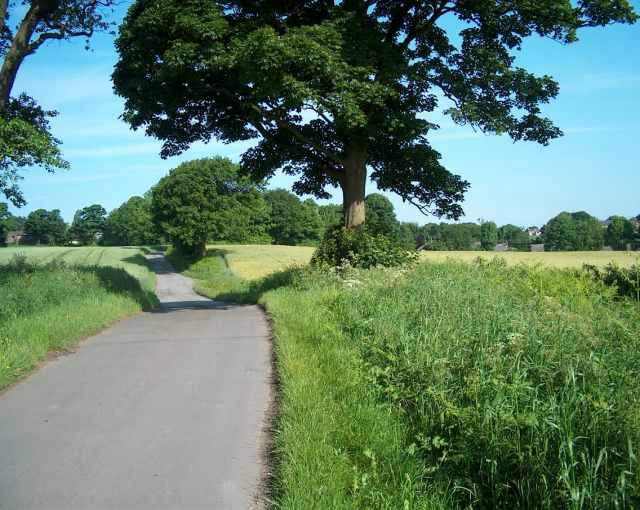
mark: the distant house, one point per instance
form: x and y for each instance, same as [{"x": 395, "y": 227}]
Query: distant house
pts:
[
  {"x": 534, "y": 232},
  {"x": 18, "y": 237},
  {"x": 636, "y": 221},
  {"x": 537, "y": 247}
]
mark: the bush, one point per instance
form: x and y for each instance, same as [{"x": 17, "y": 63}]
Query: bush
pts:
[
  {"x": 625, "y": 280},
  {"x": 359, "y": 248}
]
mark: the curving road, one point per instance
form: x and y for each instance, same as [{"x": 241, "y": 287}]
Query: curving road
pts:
[{"x": 163, "y": 410}]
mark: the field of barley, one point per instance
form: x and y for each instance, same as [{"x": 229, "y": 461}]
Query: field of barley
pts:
[
  {"x": 568, "y": 259},
  {"x": 256, "y": 261}
]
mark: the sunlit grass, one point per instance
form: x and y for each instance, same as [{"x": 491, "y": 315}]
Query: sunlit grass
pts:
[
  {"x": 52, "y": 297},
  {"x": 256, "y": 261}
]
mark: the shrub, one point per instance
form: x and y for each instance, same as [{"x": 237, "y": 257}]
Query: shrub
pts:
[
  {"x": 625, "y": 280},
  {"x": 359, "y": 248}
]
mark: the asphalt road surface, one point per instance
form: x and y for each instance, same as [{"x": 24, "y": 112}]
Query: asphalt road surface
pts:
[{"x": 164, "y": 410}]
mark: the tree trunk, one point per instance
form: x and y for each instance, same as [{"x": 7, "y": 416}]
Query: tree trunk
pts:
[
  {"x": 18, "y": 50},
  {"x": 353, "y": 187}
]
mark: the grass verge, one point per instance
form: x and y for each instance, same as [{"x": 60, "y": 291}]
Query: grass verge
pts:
[
  {"x": 48, "y": 306},
  {"x": 450, "y": 385}
]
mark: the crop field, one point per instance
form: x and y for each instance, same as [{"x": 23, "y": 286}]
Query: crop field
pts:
[
  {"x": 255, "y": 261},
  {"x": 52, "y": 297},
  {"x": 568, "y": 259},
  {"x": 129, "y": 259}
]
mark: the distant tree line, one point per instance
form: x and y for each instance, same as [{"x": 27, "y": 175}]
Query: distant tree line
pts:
[{"x": 208, "y": 200}]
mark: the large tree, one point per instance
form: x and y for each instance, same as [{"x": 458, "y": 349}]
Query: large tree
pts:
[
  {"x": 339, "y": 92},
  {"x": 46, "y": 227},
  {"x": 576, "y": 231},
  {"x": 204, "y": 200},
  {"x": 488, "y": 235},
  {"x": 619, "y": 232},
  {"x": 88, "y": 224},
  {"x": 25, "y": 138}
]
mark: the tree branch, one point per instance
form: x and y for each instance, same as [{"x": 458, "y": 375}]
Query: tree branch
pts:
[
  {"x": 61, "y": 34},
  {"x": 297, "y": 134},
  {"x": 3, "y": 15}
]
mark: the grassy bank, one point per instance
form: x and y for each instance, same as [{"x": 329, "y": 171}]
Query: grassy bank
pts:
[
  {"x": 52, "y": 297},
  {"x": 452, "y": 385}
]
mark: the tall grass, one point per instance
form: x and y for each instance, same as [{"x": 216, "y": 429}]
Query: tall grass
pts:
[
  {"x": 453, "y": 385},
  {"x": 518, "y": 387},
  {"x": 47, "y": 307}
]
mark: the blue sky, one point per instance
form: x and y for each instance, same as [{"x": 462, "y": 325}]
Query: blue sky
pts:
[{"x": 594, "y": 167}]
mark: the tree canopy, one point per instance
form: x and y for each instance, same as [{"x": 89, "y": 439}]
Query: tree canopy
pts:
[
  {"x": 381, "y": 217},
  {"x": 292, "y": 222},
  {"x": 619, "y": 232},
  {"x": 573, "y": 232},
  {"x": 46, "y": 227},
  {"x": 207, "y": 199},
  {"x": 131, "y": 224},
  {"x": 88, "y": 224},
  {"x": 488, "y": 235},
  {"x": 339, "y": 92}
]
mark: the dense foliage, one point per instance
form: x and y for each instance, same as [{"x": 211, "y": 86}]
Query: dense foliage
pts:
[
  {"x": 360, "y": 248},
  {"x": 88, "y": 224},
  {"x": 620, "y": 232},
  {"x": 46, "y": 227},
  {"x": 573, "y": 232},
  {"x": 131, "y": 224},
  {"x": 292, "y": 222},
  {"x": 335, "y": 88},
  {"x": 207, "y": 199},
  {"x": 381, "y": 218},
  {"x": 626, "y": 280},
  {"x": 488, "y": 235}
]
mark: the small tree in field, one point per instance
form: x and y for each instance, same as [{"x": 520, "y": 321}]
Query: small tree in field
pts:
[
  {"x": 488, "y": 235},
  {"x": 207, "y": 199},
  {"x": 337, "y": 92}
]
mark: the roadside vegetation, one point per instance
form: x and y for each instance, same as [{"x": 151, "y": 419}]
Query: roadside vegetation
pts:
[
  {"x": 448, "y": 385},
  {"x": 53, "y": 297}
]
